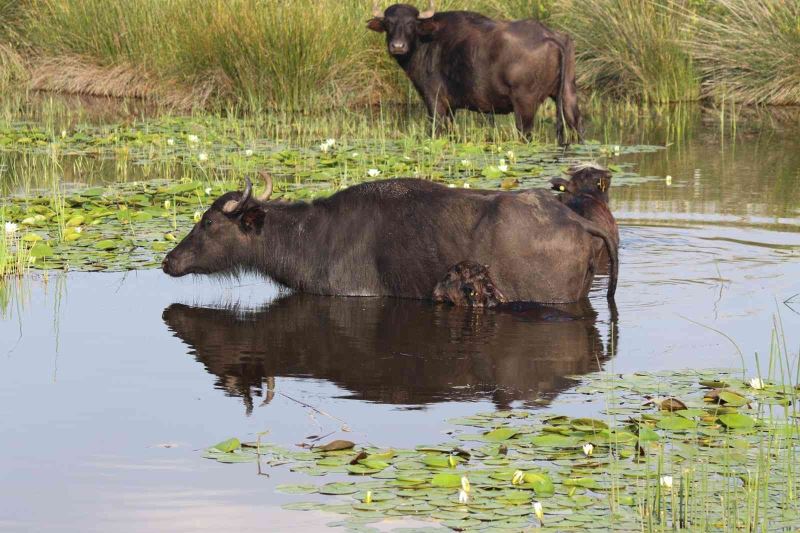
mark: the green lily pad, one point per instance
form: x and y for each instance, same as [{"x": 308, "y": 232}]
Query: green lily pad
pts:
[
  {"x": 500, "y": 434},
  {"x": 737, "y": 421},
  {"x": 41, "y": 250},
  {"x": 676, "y": 423},
  {"x": 446, "y": 480},
  {"x": 227, "y": 446},
  {"x": 338, "y": 488}
]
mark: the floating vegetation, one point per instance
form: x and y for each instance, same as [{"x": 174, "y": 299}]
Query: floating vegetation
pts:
[
  {"x": 694, "y": 450},
  {"x": 189, "y": 162}
]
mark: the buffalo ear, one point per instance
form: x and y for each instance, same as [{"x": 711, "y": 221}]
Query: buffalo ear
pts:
[
  {"x": 428, "y": 26},
  {"x": 604, "y": 183},
  {"x": 376, "y": 24},
  {"x": 252, "y": 219},
  {"x": 559, "y": 184}
]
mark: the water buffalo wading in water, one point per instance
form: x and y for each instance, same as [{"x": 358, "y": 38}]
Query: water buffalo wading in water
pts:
[
  {"x": 586, "y": 193},
  {"x": 464, "y": 60},
  {"x": 399, "y": 237}
]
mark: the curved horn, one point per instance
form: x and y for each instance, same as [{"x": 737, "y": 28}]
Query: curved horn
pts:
[
  {"x": 428, "y": 13},
  {"x": 232, "y": 206},
  {"x": 377, "y": 12},
  {"x": 268, "y": 191}
]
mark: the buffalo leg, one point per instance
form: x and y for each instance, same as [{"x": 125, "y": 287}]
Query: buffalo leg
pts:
[
  {"x": 439, "y": 112},
  {"x": 524, "y": 113}
]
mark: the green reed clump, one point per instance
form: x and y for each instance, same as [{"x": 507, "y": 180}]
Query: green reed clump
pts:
[
  {"x": 14, "y": 252},
  {"x": 12, "y": 67},
  {"x": 749, "y": 51},
  {"x": 630, "y": 49},
  {"x": 274, "y": 53}
]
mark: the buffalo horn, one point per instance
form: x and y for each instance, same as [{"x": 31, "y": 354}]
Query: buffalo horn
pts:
[
  {"x": 268, "y": 191},
  {"x": 377, "y": 12},
  {"x": 232, "y": 206},
  {"x": 428, "y": 13}
]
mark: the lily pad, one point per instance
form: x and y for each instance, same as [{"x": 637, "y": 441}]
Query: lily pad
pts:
[{"x": 737, "y": 421}]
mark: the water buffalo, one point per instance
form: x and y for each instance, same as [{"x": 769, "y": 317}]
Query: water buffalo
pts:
[
  {"x": 586, "y": 193},
  {"x": 464, "y": 60},
  {"x": 469, "y": 284},
  {"x": 398, "y": 237},
  {"x": 391, "y": 350}
]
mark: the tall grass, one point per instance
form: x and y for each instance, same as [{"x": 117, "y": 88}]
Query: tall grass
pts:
[
  {"x": 750, "y": 51},
  {"x": 12, "y": 66},
  {"x": 630, "y": 49},
  {"x": 315, "y": 54},
  {"x": 269, "y": 53}
]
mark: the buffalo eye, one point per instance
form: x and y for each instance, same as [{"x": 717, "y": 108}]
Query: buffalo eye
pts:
[{"x": 207, "y": 222}]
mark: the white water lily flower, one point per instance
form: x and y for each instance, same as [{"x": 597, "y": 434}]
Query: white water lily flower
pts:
[
  {"x": 451, "y": 185},
  {"x": 167, "y": 204},
  {"x": 197, "y": 216},
  {"x": 466, "y": 185},
  {"x": 79, "y": 229},
  {"x": 538, "y": 510},
  {"x": 503, "y": 168},
  {"x": 373, "y": 172},
  {"x": 207, "y": 190},
  {"x": 330, "y": 142},
  {"x": 354, "y": 155},
  {"x": 666, "y": 482},
  {"x": 463, "y": 497},
  {"x": 202, "y": 156},
  {"x": 466, "y": 163},
  {"x": 518, "y": 478},
  {"x": 63, "y": 133},
  {"x": 324, "y": 148},
  {"x": 588, "y": 449},
  {"x": 757, "y": 383},
  {"x": 11, "y": 228},
  {"x": 170, "y": 142},
  {"x": 465, "y": 484},
  {"x": 193, "y": 138},
  {"x": 248, "y": 152},
  {"x": 510, "y": 155},
  {"x": 668, "y": 180}
]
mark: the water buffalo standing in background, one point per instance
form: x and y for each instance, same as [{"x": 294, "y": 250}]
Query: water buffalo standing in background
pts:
[
  {"x": 464, "y": 60},
  {"x": 399, "y": 237},
  {"x": 586, "y": 193}
]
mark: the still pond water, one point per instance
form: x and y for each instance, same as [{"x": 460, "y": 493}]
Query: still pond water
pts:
[{"x": 111, "y": 384}]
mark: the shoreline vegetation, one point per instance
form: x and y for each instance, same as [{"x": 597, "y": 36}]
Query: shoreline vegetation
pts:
[{"x": 314, "y": 54}]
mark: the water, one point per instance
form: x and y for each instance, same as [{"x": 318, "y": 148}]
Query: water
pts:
[{"x": 111, "y": 384}]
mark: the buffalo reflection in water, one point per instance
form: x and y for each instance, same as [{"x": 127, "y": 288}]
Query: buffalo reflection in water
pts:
[{"x": 393, "y": 350}]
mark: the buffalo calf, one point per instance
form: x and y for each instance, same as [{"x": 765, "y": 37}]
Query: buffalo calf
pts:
[
  {"x": 586, "y": 193},
  {"x": 468, "y": 284}
]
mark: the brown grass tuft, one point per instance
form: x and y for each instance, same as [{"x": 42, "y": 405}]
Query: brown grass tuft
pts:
[{"x": 74, "y": 75}]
